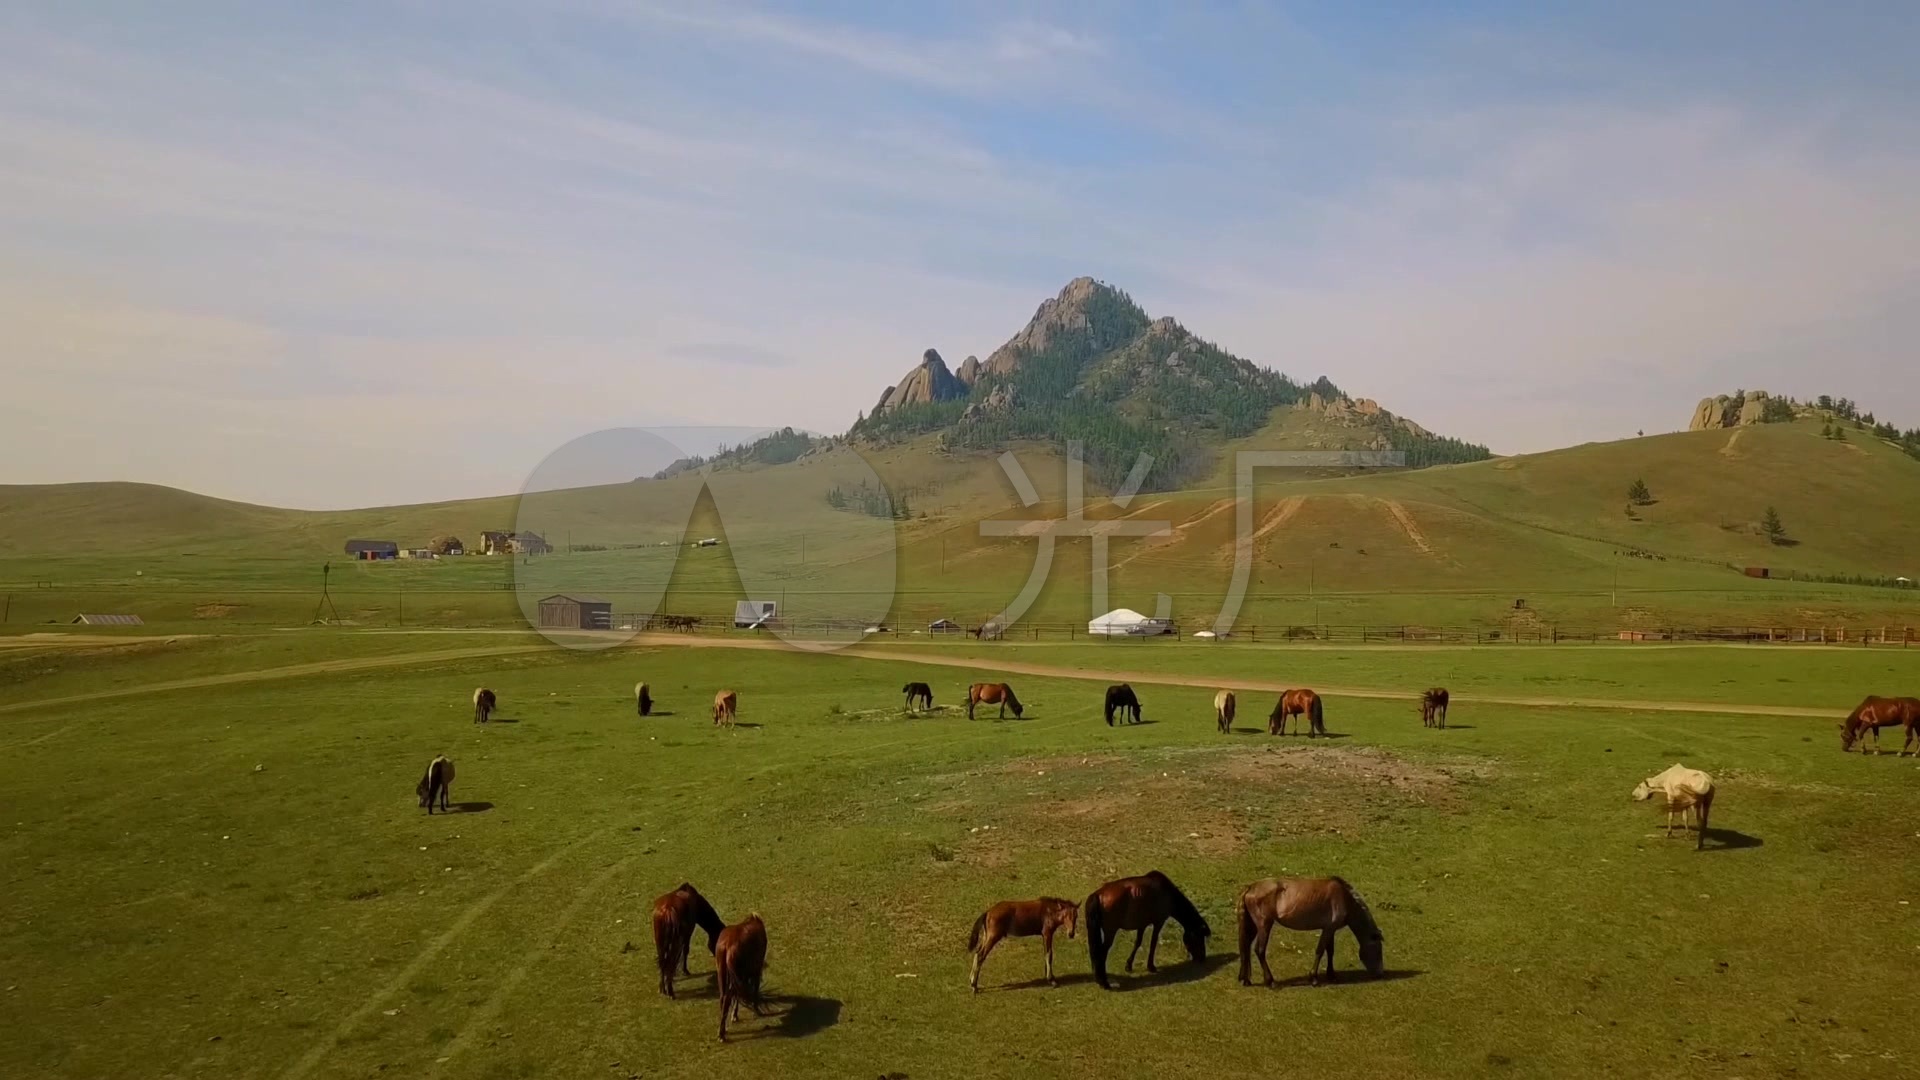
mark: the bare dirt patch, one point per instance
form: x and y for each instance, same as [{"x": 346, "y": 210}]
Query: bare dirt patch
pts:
[{"x": 216, "y": 611}]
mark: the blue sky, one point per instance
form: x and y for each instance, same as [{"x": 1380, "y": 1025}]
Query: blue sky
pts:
[{"x": 251, "y": 248}]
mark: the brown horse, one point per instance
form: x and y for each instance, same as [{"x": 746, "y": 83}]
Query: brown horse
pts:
[
  {"x": 675, "y": 916},
  {"x": 920, "y": 692},
  {"x": 726, "y": 704},
  {"x": 993, "y": 693},
  {"x": 484, "y": 702},
  {"x": 1433, "y": 707},
  {"x": 741, "y": 956},
  {"x": 1020, "y": 918},
  {"x": 1323, "y": 904},
  {"x": 1139, "y": 904},
  {"x": 1876, "y": 713},
  {"x": 1223, "y": 703},
  {"x": 1302, "y": 703}
]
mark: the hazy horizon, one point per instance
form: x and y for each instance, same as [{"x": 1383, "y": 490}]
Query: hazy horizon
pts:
[{"x": 376, "y": 254}]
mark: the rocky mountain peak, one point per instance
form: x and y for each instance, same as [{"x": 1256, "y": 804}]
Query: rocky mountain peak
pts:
[{"x": 928, "y": 382}]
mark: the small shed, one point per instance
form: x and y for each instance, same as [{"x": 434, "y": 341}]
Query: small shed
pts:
[
  {"x": 753, "y": 614},
  {"x": 945, "y": 626},
  {"x": 87, "y": 619},
  {"x": 562, "y": 612},
  {"x": 1758, "y": 571},
  {"x": 373, "y": 549}
]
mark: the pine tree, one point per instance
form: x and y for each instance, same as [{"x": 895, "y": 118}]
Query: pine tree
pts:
[
  {"x": 1776, "y": 532},
  {"x": 1638, "y": 495}
]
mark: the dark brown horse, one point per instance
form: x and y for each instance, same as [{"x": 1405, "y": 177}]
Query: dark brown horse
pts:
[
  {"x": 993, "y": 693},
  {"x": 920, "y": 692},
  {"x": 1123, "y": 700},
  {"x": 1302, "y": 703},
  {"x": 1140, "y": 904},
  {"x": 741, "y": 957},
  {"x": 726, "y": 705},
  {"x": 484, "y": 702},
  {"x": 1433, "y": 707},
  {"x": 1323, "y": 904},
  {"x": 1876, "y": 713},
  {"x": 643, "y": 699},
  {"x": 1020, "y": 918},
  {"x": 436, "y": 783},
  {"x": 675, "y": 916}
]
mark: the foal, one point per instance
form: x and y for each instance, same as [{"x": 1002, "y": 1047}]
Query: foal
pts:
[
  {"x": 726, "y": 704},
  {"x": 1020, "y": 918},
  {"x": 920, "y": 692}
]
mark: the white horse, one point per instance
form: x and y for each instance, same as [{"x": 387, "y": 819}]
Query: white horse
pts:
[{"x": 1685, "y": 789}]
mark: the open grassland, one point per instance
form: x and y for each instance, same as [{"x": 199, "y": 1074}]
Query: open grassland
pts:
[{"x": 233, "y": 879}]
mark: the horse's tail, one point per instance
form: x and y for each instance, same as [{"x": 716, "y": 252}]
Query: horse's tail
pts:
[
  {"x": 979, "y": 928},
  {"x": 1248, "y": 931},
  {"x": 1315, "y": 713},
  {"x": 1013, "y": 700},
  {"x": 1096, "y": 939},
  {"x": 666, "y": 941}
]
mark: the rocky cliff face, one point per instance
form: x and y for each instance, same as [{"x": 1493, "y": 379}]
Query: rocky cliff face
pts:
[
  {"x": 1723, "y": 411},
  {"x": 925, "y": 384},
  {"x": 1066, "y": 313}
]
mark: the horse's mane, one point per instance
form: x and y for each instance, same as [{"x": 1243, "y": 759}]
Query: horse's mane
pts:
[
  {"x": 1359, "y": 915},
  {"x": 1183, "y": 908}
]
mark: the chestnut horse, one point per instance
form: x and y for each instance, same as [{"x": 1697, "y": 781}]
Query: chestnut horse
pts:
[
  {"x": 920, "y": 692},
  {"x": 484, "y": 702},
  {"x": 1223, "y": 711},
  {"x": 1121, "y": 699},
  {"x": 1020, "y": 918},
  {"x": 1139, "y": 904},
  {"x": 1433, "y": 707},
  {"x": 1323, "y": 904},
  {"x": 1876, "y": 713},
  {"x": 726, "y": 704},
  {"x": 643, "y": 699},
  {"x": 741, "y": 956},
  {"x": 675, "y": 916},
  {"x": 436, "y": 783},
  {"x": 1302, "y": 703},
  {"x": 993, "y": 693}
]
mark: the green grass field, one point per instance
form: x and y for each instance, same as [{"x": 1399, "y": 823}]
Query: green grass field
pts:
[{"x": 234, "y": 880}]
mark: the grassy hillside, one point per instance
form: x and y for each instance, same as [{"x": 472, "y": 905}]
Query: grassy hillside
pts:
[{"x": 1446, "y": 545}]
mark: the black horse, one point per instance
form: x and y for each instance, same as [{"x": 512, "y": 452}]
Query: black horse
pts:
[
  {"x": 1121, "y": 699},
  {"x": 918, "y": 691}
]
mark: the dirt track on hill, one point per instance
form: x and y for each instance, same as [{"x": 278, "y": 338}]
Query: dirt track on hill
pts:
[{"x": 896, "y": 655}]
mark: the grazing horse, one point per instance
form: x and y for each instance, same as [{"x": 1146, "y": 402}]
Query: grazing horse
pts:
[
  {"x": 1323, "y": 904},
  {"x": 1223, "y": 703},
  {"x": 1121, "y": 699},
  {"x": 1685, "y": 789},
  {"x": 436, "y": 783},
  {"x": 484, "y": 702},
  {"x": 1139, "y": 904},
  {"x": 1876, "y": 713},
  {"x": 993, "y": 693},
  {"x": 1433, "y": 707},
  {"x": 726, "y": 704},
  {"x": 920, "y": 692},
  {"x": 675, "y": 916},
  {"x": 1302, "y": 703},
  {"x": 741, "y": 956},
  {"x": 643, "y": 699},
  {"x": 1020, "y": 918}
]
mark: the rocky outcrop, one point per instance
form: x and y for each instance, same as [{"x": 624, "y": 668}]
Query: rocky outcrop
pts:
[
  {"x": 999, "y": 399},
  {"x": 969, "y": 371},
  {"x": 1064, "y": 313},
  {"x": 925, "y": 384},
  {"x": 1723, "y": 411}
]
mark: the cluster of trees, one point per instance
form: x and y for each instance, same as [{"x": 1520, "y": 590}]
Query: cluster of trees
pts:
[
  {"x": 865, "y": 498},
  {"x": 776, "y": 448},
  {"x": 1124, "y": 386}
]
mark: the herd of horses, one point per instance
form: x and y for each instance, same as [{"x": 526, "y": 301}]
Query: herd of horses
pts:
[{"x": 1143, "y": 904}]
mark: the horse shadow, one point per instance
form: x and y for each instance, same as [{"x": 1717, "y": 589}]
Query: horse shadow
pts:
[
  {"x": 1730, "y": 840},
  {"x": 795, "y": 1016},
  {"x": 659, "y": 712},
  {"x": 1249, "y": 731},
  {"x": 1072, "y": 979},
  {"x": 471, "y": 807},
  {"x": 744, "y": 724},
  {"x": 1170, "y": 974},
  {"x": 1133, "y": 723},
  {"x": 501, "y": 720},
  {"x": 1350, "y": 978},
  {"x": 1456, "y": 727}
]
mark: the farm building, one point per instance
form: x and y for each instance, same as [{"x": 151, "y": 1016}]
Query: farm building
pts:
[
  {"x": 108, "y": 620},
  {"x": 753, "y": 614},
  {"x": 446, "y": 545},
  {"x": 373, "y": 549},
  {"x": 493, "y": 542},
  {"x": 945, "y": 626},
  {"x": 1758, "y": 571},
  {"x": 561, "y": 612},
  {"x": 528, "y": 543}
]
